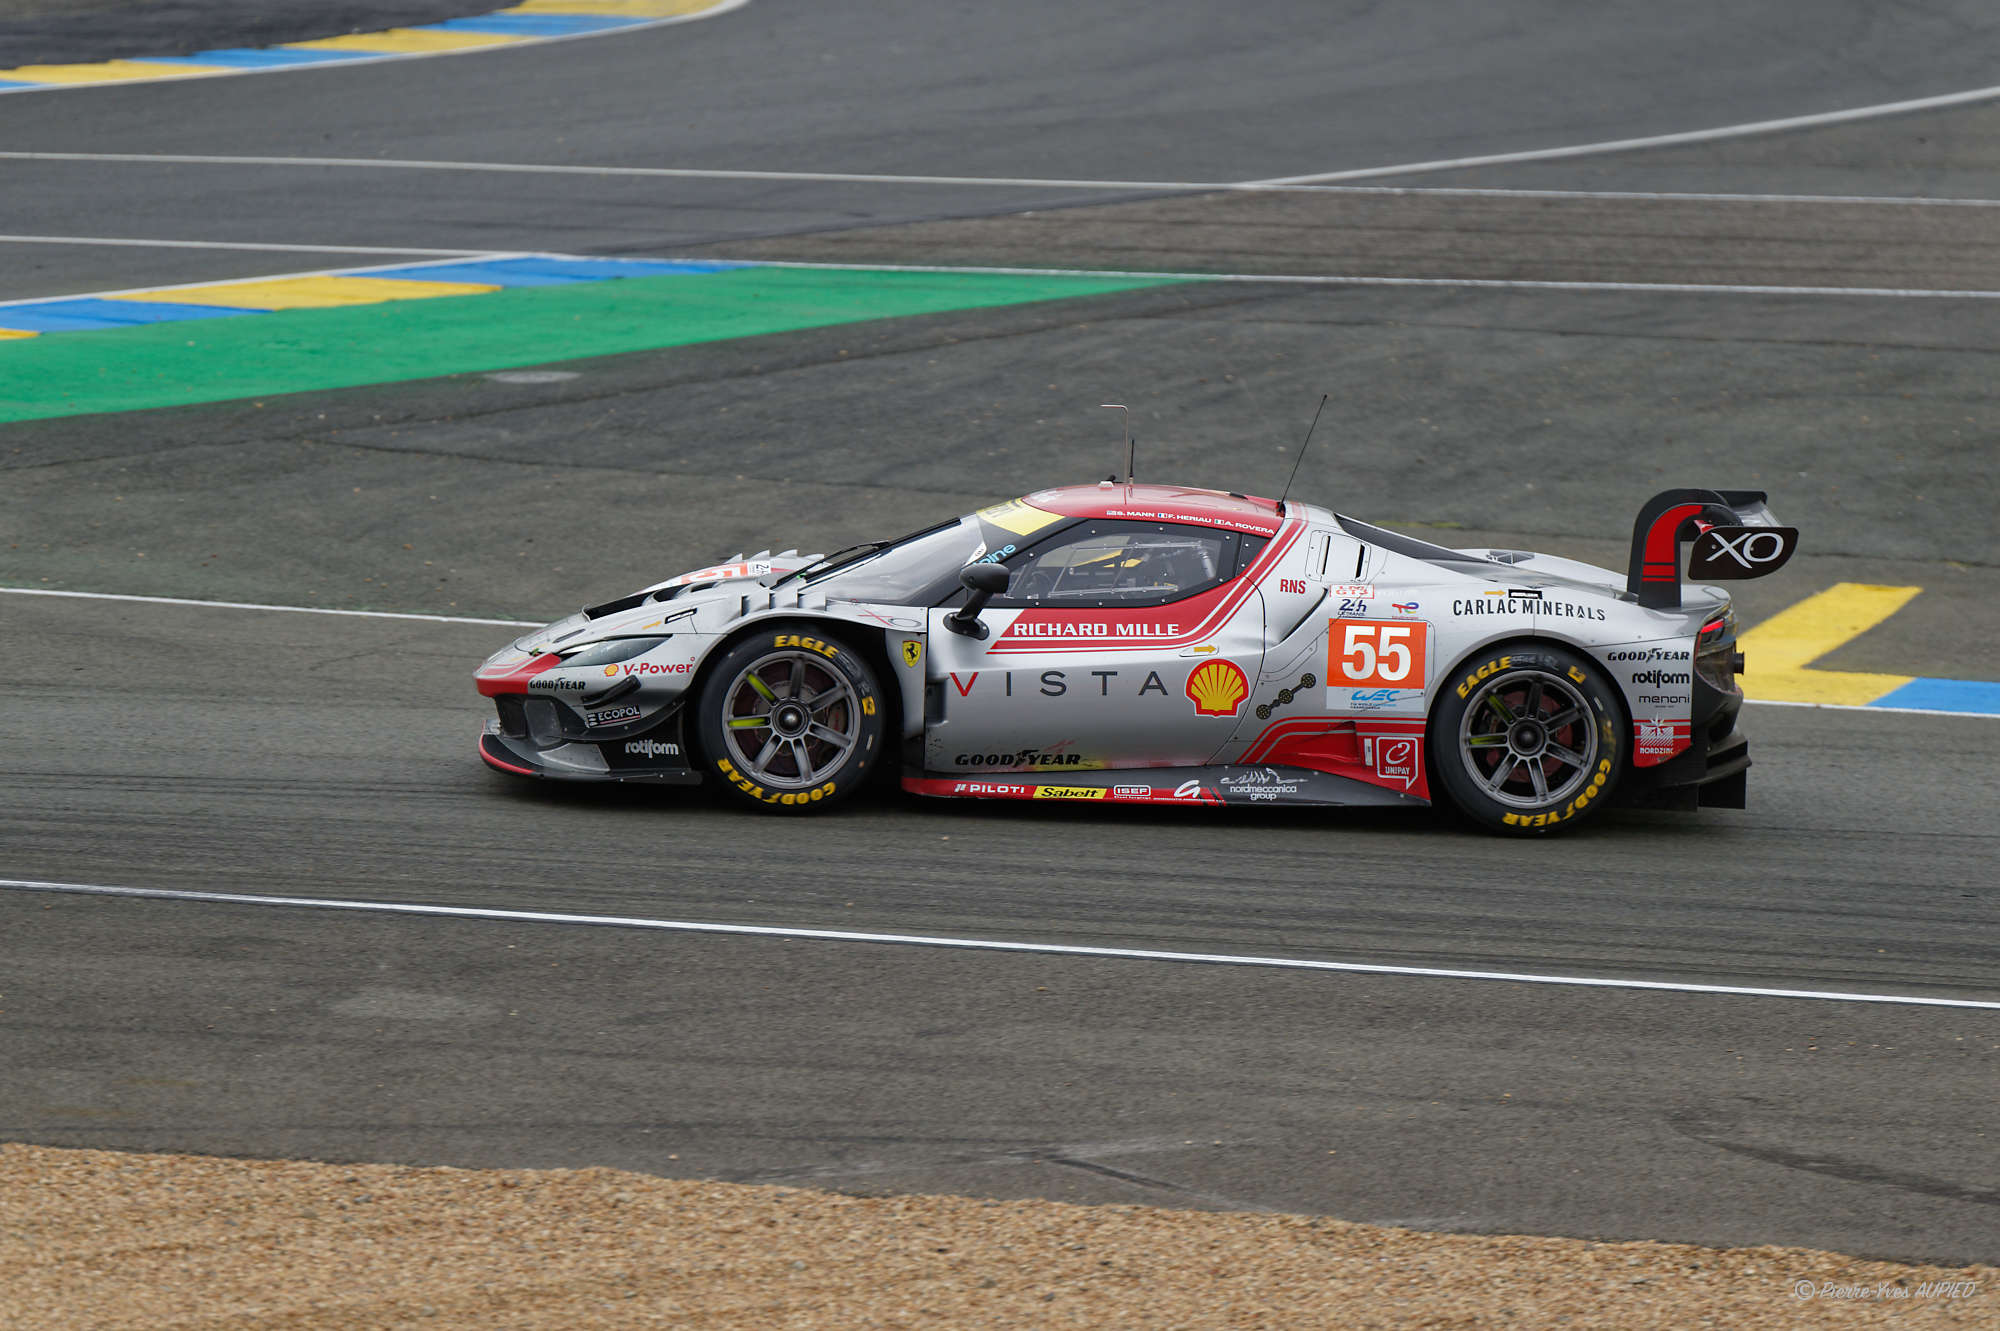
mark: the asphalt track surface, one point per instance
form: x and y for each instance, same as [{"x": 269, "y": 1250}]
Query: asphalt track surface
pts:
[{"x": 239, "y": 751}]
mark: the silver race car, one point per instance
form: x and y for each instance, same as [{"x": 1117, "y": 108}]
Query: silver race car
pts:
[{"x": 1135, "y": 643}]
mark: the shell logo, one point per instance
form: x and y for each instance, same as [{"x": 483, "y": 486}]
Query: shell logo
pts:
[
  {"x": 1217, "y": 688},
  {"x": 610, "y": 670}
]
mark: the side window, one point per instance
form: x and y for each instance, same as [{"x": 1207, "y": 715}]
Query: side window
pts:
[
  {"x": 1110, "y": 564},
  {"x": 1247, "y": 550}
]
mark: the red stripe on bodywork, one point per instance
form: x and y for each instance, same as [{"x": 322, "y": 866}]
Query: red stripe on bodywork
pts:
[
  {"x": 1663, "y": 551},
  {"x": 515, "y": 681},
  {"x": 1215, "y": 607},
  {"x": 1336, "y": 745},
  {"x": 491, "y": 761}
]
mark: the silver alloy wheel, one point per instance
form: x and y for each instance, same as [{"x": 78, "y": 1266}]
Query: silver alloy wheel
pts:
[
  {"x": 790, "y": 720},
  {"x": 1528, "y": 738}
]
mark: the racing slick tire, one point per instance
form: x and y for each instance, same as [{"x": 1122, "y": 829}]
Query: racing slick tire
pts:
[
  {"x": 790, "y": 720},
  {"x": 1527, "y": 738}
]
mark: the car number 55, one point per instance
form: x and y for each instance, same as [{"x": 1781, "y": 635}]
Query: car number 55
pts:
[{"x": 1370, "y": 654}]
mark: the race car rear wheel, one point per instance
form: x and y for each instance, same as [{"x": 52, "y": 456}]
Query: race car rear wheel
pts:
[
  {"x": 790, "y": 720},
  {"x": 1527, "y": 738}
]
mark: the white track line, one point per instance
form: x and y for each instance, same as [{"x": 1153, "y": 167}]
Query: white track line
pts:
[
  {"x": 360, "y": 270},
  {"x": 1739, "y": 131},
  {"x": 994, "y": 182},
  {"x": 1279, "y": 279},
  {"x": 974, "y": 944},
  {"x": 1335, "y": 279},
  {"x": 252, "y": 605},
  {"x": 1864, "y": 707},
  {"x": 135, "y": 243},
  {"x": 641, "y": 172}
]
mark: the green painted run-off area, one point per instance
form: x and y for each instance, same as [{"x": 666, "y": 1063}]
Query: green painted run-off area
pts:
[{"x": 216, "y": 360}]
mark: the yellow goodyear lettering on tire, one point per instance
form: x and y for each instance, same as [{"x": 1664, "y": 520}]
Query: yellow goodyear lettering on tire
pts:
[
  {"x": 1569, "y": 810},
  {"x": 868, "y": 705},
  {"x": 740, "y": 781},
  {"x": 1493, "y": 667},
  {"x": 755, "y": 791},
  {"x": 804, "y": 643},
  {"x": 1577, "y": 674}
]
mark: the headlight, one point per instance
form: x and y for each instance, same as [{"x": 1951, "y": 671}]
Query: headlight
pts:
[{"x": 611, "y": 651}]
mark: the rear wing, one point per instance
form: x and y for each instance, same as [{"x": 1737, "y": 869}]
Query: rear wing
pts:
[{"x": 1734, "y": 533}]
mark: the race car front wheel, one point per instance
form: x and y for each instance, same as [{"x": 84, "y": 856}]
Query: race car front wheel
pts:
[
  {"x": 790, "y": 720},
  {"x": 1527, "y": 739}
]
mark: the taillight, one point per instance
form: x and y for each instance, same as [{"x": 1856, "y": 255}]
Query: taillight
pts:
[{"x": 1716, "y": 659}]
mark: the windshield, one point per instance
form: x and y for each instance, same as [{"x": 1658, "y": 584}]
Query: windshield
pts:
[{"x": 916, "y": 570}]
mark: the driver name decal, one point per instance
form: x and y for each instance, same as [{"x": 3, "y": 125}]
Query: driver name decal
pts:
[
  {"x": 1026, "y": 627},
  {"x": 1113, "y": 630}
]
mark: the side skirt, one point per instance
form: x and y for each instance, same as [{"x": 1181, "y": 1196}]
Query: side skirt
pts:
[{"x": 1238, "y": 784}]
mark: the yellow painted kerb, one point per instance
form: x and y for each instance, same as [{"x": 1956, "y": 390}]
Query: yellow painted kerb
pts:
[
  {"x": 309, "y": 293},
  {"x": 1777, "y": 654},
  {"x": 108, "y": 71},
  {"x": 389, "y": 42},
  {"x": 16, "y": 332},
  {"x": 614, "y": 8},
  {"x": 404, "y": 41}
]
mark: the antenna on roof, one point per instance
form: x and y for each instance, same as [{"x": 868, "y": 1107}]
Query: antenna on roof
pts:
[
  {"x": 1119, "y": 406},
  {"x": 1302, "y": 453}
]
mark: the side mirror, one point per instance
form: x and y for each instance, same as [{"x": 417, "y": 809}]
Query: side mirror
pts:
[{"x": 982, "y": 582}]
